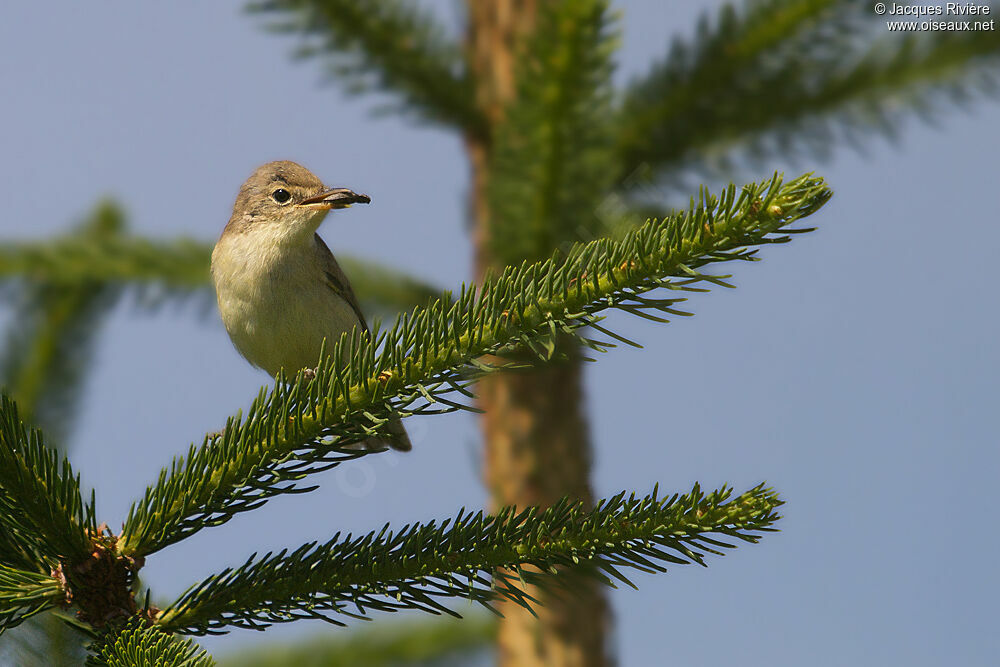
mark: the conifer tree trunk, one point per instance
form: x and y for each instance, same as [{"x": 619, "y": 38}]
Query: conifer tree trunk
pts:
[{"x": 535, "y": 430}]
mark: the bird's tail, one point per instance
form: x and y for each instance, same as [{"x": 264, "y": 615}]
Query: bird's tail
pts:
[{"x": 395, "y": 437}]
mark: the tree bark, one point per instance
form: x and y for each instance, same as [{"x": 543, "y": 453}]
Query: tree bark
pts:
[{"x": 537, "y": 446}]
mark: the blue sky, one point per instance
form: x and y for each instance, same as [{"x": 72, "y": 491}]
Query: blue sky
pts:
[{"x": 855, "y": 369}]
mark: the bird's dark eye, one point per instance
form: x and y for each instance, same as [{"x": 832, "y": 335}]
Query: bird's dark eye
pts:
[{"x": 281, "y": 196}]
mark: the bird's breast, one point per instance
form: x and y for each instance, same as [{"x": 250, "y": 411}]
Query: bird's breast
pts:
[{"x": 275, "y": 304}]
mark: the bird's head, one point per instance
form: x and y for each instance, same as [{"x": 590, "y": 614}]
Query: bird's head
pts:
[{"x": 288, "y": 200}]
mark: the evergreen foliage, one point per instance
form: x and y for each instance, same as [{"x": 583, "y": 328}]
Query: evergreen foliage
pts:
[
  {"x": 43, "y": 519},
  {"x": 773, "y": 75},
  {"x": 385, "y": 45},
  {"x": 421, "y": 565},
  {"x": 309, "y": 425},
  {"x": 24, "y": 594},
  {"x": 784, "y": 75},
  {"x": 415, "y": 367},
  {"x": 439, "y": 640},
  {"x": 48, "y": 350},
  {"x": 135, "y": 644},
  {"x": 57, "y": 322},
  {"x": 553, "y": 144},
  {"x": 100, "y": 255}
]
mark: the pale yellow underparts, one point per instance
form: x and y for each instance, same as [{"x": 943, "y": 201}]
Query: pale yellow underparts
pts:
[{"x": 274, "y": 297}]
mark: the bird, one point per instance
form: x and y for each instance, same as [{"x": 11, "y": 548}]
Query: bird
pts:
[{"x": 279, "y": 287}]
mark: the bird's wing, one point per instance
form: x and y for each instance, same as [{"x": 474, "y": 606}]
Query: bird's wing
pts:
[
  {"x": 395, "y": 435},
  {"x": 338, "y": 282}
]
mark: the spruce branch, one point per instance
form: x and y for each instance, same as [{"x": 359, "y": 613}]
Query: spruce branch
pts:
[
  {"x": 158, "y": 270},
  {"x": 423, "y": 564},
  {"x": 434, "y": 352},
  {"x": 553, "y": 145},
  {"x": 51, "y": 336},
  {"x": 43, "y": 518},
  {"x": 109, "y": 257},
  {"x": 433, "y": 641},
  {"x": 786, "y": 74},
  {"x": 387, "y": 45},
  {"x": 136, "y": 644},
  {"x": 24, "y": 594},
  {"x": 45, "y": 360},
  {"x": 48, "y": 349}
]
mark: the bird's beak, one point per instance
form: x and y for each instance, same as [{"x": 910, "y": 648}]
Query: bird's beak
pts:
[{"x": 335, "y": 198}]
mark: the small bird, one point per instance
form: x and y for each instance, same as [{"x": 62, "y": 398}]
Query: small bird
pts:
[{"x": 280, "y": 289}]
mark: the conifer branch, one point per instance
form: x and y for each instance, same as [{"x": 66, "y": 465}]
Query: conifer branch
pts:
[
  {"x": 51, "y": 335},
  {"x": 49, "y": 344},
  {"x": 422, "y": 564},
  {"x": 552, "y": 147},
  {"x": 136, "y": 644},
  {"x": 108, "y": 257},
  {"x": 158, "y": 270},
  {"x": 24, "y": 594},
  {"x": 43, "y": 518},
  {"x": 434, "y": 352},
  {"x": 793, "y": 73},
  {"x": 438, "y": 641},
  {"x": 389, "y": 45},
  {"x": 47, "y": 353}
]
